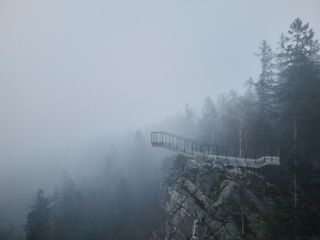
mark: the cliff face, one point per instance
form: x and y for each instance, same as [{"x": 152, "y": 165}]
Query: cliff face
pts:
[{"x": 204, "y": 200}]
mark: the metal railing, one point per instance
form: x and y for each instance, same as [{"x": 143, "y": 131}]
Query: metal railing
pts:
[{"x": 234, "y": 156}]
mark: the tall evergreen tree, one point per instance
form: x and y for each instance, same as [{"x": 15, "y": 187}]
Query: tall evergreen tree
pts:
[
  {"x": 264, "y": 86},
  {"x": 298, "y": 85},
  {"x": 298, "y": 91},
  {"x": 68, "y": 219},
  {"x": 189, "y": 122},
  {"x": 265, "y": 95},
  {"x": 209, "y": 122},
  {"x": 38, "y": 219},
  {"x": 236, "y": 115}
]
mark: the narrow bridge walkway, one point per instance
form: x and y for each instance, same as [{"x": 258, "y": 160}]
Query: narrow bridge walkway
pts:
[{"x": 226, "y": 156}]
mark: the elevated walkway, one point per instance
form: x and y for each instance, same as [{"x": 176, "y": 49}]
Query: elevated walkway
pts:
[{"x": 225, "y": 156}]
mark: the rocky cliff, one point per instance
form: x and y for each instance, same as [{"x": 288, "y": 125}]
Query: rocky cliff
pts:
[{"x": 205, "y": 200}]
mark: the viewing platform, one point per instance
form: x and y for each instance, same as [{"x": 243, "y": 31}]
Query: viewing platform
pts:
[{"x": 224, "y": 155}]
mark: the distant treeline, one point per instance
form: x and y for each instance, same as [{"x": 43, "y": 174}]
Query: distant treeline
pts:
[{"x": 120, "y": 202}]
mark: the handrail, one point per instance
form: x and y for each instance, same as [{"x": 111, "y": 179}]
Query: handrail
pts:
[{"x": 228, "y": 155}]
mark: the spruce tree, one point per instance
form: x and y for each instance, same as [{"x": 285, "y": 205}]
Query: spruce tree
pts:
[
  {"x": 298, "y": 91},
  {"x": 38, "y": 219},
  {"x": 264, "y": 86},
  {"x": 298, "y": 85},
  {"x": 209, "y": 122},
  {"x": 68, "y": 222},
  {"x": 265, "y": 95}
]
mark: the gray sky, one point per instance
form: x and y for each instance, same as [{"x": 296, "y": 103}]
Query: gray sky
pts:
[
  {"x": 101, "y": 66},
  {"x": 72, "y": 71}
]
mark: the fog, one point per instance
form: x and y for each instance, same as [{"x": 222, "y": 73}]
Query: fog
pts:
[{"x": 78, "y": 77}]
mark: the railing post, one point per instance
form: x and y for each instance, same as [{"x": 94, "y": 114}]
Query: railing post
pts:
[
  {"x": 255, "y": 157},
  {"x": 192, "y": 148},
  {"x": 226, "y": 152},
  {"x": 245, "y": 154},
  {"x": 279, "y": 152},
  {"x": 177, "y": 142}
]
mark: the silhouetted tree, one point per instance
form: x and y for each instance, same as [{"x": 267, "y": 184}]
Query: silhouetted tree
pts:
[
  {"x": 299, "y": 85},
  {"x": 38, "y": 219},
  {"x": 297, "y": 91},
  {"x": 265, "y": 95},
  {"x": 209, "y": 122},
  {"x": 189, "y": 122},
  {"x": 68, "y": 219}
]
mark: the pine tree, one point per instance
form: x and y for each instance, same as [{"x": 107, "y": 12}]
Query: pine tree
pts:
[
  {"x": 249, "y": 125},
  {"x": 38, "y": 219},
  {"x": 189, "y": 122},
  {"x": 68, "y": 221},
  {"x": 265, "y": 96},
  {"x": 298, "y": 91},
  {"x": 264, "y": 86},
  {"x": 209, "y": 122},
  {"x": 297, "y": 82},
  {"x": 299, "y": 87}
]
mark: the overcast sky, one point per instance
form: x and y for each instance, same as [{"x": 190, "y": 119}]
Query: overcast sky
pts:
[{"x": 76, "y": 70}]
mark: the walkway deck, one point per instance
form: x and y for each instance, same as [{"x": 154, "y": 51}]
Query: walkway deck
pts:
[{"x": 225, "y": 156}]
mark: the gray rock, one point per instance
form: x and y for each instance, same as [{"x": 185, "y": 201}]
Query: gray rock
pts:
[{"x": 204, "y": 200}]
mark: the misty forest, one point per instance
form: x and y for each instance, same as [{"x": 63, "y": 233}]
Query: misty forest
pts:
[{"x": 163, "y": 134}]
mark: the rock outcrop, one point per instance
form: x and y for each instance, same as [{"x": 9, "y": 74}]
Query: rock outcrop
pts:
[{"x": 204, "y": 200}]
